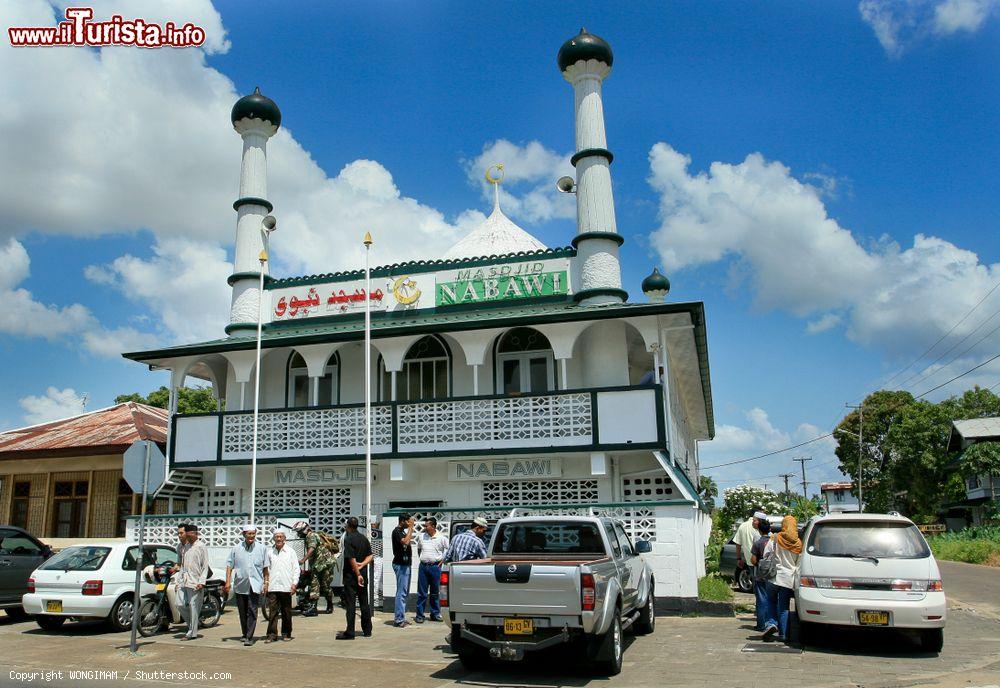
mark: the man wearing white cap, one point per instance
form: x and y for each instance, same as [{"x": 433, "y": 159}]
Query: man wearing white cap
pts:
[
  {"x": 249, "y": 562},
  {"x": 469, "y": 544}
]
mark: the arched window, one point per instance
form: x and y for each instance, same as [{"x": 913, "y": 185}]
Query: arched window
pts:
[
  {"x": 300, "y": 392},
  {"x": 524, "y": 362},
  {"x": 426, "y": 372}
]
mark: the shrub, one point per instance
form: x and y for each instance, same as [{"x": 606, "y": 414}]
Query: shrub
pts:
[
  {"x": 714, "y": 589},
  {"x": 976, "y": 545}
]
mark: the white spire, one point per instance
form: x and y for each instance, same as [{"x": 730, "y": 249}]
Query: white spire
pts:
[{"x": 498, "y": 235}]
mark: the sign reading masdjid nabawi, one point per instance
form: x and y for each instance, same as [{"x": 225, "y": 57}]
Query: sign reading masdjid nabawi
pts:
[
  {"x": 507, "y": 469},
  {"x": 482, "y": 284}
]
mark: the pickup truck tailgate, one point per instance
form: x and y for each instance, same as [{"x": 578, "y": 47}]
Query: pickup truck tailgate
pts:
[{"x": 515, "y": 587}]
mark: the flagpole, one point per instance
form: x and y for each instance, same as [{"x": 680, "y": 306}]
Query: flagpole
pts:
[
  {"x": 368, "y": 387},
  {"x": 267, "y": 225}
]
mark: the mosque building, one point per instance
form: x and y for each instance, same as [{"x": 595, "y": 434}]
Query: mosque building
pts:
[{"x": 505, "y": 375}]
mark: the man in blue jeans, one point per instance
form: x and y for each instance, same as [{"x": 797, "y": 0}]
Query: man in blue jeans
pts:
[
  {"x": 431, "y": 548},
  {"x": 759, "y": 584},
  {"x": 402, "y": 558}
]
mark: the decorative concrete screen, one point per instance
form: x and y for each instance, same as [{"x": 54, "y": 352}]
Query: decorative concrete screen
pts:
[
  {"x": 326, "y": 507},
  {"x": 500, "y": 493},
  {"x": 306, "y": 432}
]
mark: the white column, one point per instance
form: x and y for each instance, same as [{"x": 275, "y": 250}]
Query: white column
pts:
[
  {"x": 475, "y": 379},
  {"x": 314, "y": 390},
  {"x": 563, "y": 381}
]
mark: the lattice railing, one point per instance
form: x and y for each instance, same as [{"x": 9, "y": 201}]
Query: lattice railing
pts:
[
  {"x": 307, "y": 431},
  {"x": 215, "y": 530},
  {"x": 554, "y": 419}
]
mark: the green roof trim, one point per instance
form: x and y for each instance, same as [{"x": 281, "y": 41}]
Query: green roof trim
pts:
[{"x": 421, "y": 266}]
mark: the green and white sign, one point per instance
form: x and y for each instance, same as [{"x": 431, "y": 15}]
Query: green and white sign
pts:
[{"x": 503, "y": 282}]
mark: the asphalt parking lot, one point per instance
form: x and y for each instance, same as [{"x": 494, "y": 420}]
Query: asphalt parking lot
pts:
[{"x": 696, "y": 651}]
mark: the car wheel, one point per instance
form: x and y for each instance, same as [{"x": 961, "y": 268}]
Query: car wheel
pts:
[
  {"x": 744, "y": 580},
  {"x": 120, "y": 617},
  {"x": 646, "y": 623},
  {"x": 17, "y": 613},
  {"x": 49, "y": 623},
  {"x": 932, "y": 640},
  {"x": 608, "y": 650}
]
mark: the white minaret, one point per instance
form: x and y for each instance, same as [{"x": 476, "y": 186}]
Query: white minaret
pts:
[
  {"x": 256, "y": 118},
  {"x": 585, "y": 60}
]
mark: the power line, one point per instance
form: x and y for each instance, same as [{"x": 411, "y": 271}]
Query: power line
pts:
[
  {"x": 771, "y": 453},
  {"x": 956, "y": 356},
  {"x": 943, "y": 337},
  {"x": 932, "y": 389}
]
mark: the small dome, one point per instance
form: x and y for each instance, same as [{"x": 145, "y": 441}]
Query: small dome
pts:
[
  {"x": 656, "y": 285},
  {"x": 256, "y": 106},
  {"x": 497, "y": 236},
  {"x": 584, "y": 46}
]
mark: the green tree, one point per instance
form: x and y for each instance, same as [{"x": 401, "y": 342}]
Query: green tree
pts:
[
  {"x": 189, "y": 399},
  {"x": 708, "y": 490},
  {"x": 741, "y": 501}
]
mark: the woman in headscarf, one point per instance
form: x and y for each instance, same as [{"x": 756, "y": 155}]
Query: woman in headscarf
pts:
[{"x": 786, "y": 547}]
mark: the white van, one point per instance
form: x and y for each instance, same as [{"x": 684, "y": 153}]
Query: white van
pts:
[{"x": 872, "y": 570}]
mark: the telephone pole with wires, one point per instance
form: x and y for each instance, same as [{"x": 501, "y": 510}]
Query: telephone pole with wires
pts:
[
  {"x": 802, "y": 461},
  {"x": 786, "y": 476}
]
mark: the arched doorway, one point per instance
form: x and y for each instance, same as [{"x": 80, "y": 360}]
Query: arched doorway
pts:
[
  {"x": 426, "y": 372},
  {"x": 524, "y": 362},
  {"x": 298, "y": 391}
]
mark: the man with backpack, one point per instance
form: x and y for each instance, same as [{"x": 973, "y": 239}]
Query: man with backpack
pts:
[
  {"x": 321, "y": 552},
  {"x": 761, "y": 571}
]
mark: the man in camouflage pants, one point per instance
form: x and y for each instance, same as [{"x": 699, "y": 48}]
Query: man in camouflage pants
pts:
[{"x": 321, "y": 568}]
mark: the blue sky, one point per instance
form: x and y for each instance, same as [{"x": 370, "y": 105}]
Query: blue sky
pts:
[{"x": 821, "y": 175}]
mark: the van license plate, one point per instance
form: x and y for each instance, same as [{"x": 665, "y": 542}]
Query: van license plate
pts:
[
  {"x": 518, "y": 626},
  {"x": 873, "y": 618},
  {"x": 54, "y": 606}
]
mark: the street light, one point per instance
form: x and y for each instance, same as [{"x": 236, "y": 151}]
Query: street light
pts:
[
  {"x": 861, "y": 504},
  {"x": 267, "y": 225}
]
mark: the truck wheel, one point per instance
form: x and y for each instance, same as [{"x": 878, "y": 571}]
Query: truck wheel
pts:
[
  {"x": 646, "y": 623},
  {"x": 470, "y": 655},
  {"x": 608, "y": 649}
]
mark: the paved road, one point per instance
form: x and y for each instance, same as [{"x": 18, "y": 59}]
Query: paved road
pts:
[
  {"x": 689, "y": 651},
  {"x": 972, "y": 587}
]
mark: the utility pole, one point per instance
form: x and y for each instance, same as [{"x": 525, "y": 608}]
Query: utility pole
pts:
[
  {"x": 802, "y": 461},
  {"x": 786, "y": 476},
  {"x": 861, "y": 451}
]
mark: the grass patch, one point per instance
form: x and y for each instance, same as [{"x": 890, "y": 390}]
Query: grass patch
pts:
[
  {"x": 714, "y": 589},
  {"x": 977, "y": 545}
]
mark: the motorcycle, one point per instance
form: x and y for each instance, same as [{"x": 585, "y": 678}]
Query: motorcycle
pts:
[{"x": 159, "y": 609}]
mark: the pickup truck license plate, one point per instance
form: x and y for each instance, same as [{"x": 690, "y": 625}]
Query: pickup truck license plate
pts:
[
  {"x": 518, "y": 626},
  {"x": 53, "y": 606},
  {"x": 867, "y": 618}
]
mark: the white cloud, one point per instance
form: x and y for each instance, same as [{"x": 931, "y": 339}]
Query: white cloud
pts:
[
  {"x": 780, "y": 243},
  {"x": 529, "y": 186},
  {"x": 126, "y": 139},
  {"x": 53, "y": 405},
  {"x": 823, "y": 323},
  {"x": 24, "y": 316},
  {"x": 899, "y": 24}
]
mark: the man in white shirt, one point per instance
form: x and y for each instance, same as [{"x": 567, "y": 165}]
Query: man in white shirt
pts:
[
  {"x": 193, "y": 573},
  {"x": 283, "y": 567},
  {"x": 431, "y": 548}
]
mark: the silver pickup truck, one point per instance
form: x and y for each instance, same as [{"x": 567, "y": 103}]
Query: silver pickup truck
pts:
[{"x": 550, "y": 580}]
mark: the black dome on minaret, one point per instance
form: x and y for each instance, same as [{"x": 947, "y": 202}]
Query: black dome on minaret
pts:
[
  {"x": 257, "y": 106},
  {"x": 584, "y": 46}
]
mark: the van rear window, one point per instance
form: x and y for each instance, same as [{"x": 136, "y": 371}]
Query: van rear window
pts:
[
  {"x": 77, "y": 558},
  {"x": 548, "y": 538},
  {"x": 887, "y": 540}
]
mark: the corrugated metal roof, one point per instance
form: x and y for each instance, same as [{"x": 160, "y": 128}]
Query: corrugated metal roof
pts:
[
  {"x": 836, "y": 486},
  {"x": 115, "y": 426},
  {"x": 965, "y": 432}
]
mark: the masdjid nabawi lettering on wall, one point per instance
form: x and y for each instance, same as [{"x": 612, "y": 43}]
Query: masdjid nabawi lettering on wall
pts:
[
  {"x": 320, "y": 475},
  {"x": 503, "y": 282},
  {"x": 504, "y": 468}
]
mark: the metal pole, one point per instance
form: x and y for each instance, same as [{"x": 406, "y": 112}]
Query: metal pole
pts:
[
  {"x": 861, "y": 446},
  {"x": 802, "y": 460},
  {"x": 256, "y": 385},
  {"x": 368, "y": 388},
  {"x": 133, "y": 646}
]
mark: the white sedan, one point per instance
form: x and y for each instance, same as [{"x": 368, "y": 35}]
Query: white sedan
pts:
[
  {"x": 872, "y": 570},
  {"x": 95, "y": 581}
]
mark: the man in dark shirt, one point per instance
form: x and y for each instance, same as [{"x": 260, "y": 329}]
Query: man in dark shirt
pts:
[
  {"x": 402, "y": 558},
  {"x": 760, "y": 586},
  {"x": 357, "y": 556}
]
